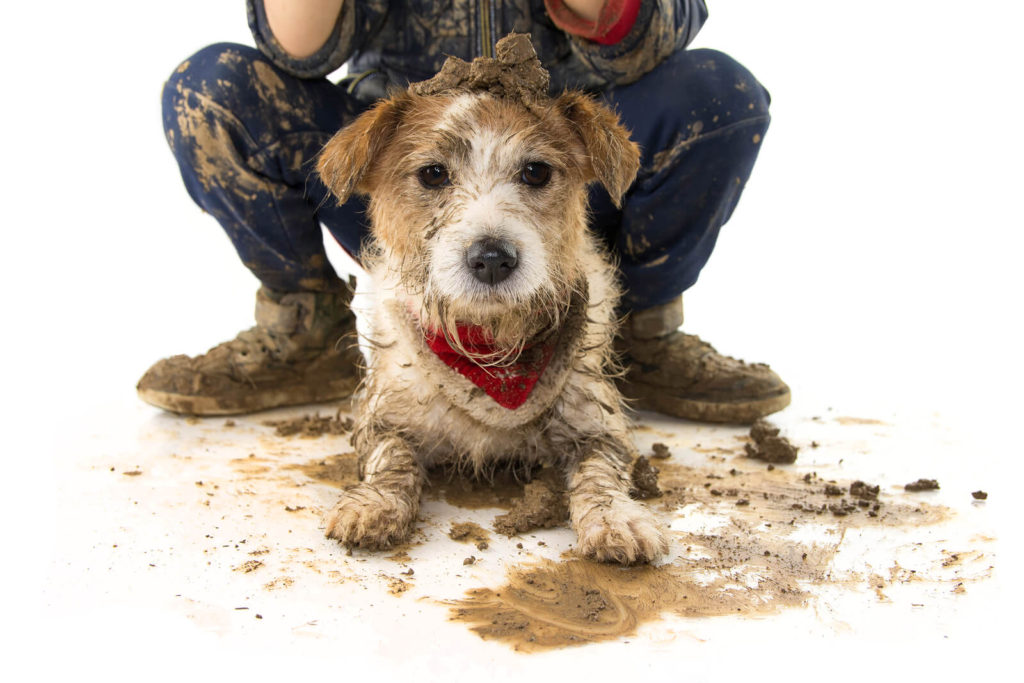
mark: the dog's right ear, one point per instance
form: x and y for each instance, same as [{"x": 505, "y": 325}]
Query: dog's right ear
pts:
[{"x": 346, "y": 159}]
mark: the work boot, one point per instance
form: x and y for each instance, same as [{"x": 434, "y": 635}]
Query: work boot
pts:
[
  {"x": 678, "y": 374},
  {"x": 302, "y": 350}
]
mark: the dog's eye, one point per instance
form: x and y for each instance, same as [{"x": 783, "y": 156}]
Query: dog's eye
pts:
[
  {"x": 434, "y": 175},
  {"x": 536, "y": 174}
]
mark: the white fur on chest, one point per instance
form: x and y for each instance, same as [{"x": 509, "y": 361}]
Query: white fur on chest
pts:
[{"x": 411, "y": 390}]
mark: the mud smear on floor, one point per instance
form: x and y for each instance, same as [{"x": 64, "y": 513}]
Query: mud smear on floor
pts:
[
  {"x": 312, "y": 426},
  {"x": 500, "y": 490},
  {"x": 397, "y": 586},
  {"x": 749, "y": 489},
  {"x": 780, "y": 496},
  {"x": 469, "y": 532},
  {"x": 339, "y": 470},
  {"x": 846, "y": 421},
  {"x": 751, "y": 565},
  {"x": 557, "y": 604},
  {"x": 751, "y": 559}
]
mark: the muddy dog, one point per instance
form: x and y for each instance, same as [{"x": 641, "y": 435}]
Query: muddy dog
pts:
[{"x": 490, "y": 332}]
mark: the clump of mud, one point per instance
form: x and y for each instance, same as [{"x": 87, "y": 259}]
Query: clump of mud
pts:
[
  {"x": 864, "y": 491},
  {"x": 833, "y": 490},
  {"x": 645, "y": 479},
  {"x": 769, "y": 446},
  {"x": 515, "y": 73},
  {"x": 312, "y": 426},
  {"x": 542, "y": 506},
  {"x": 660, "y": 451},
  {"x": 922, "y": 485}
]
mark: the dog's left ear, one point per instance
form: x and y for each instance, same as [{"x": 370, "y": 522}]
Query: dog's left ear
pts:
[
  {"x": 614, "y": 158},
  {"x": 346, "y": 159}
]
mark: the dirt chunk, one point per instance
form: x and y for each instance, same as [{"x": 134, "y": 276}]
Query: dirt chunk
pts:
[
  {"x": 769, "y": 446},
  {"x": 922, "y": 485},
  {"x": 979, "y": 495},
  {"x": 864, "y": 491},
  {"x": 542, "y": 506},
  {"x": 645, "y": 479},
  {"x": 515, "y": 73},
  {"x": 762, "y": 429},
  {"x": 312, "y": 426},
  {"x": 660, "y": 451}
]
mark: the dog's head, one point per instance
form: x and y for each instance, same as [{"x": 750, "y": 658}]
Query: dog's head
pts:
[{"x": 478, "y": 202}]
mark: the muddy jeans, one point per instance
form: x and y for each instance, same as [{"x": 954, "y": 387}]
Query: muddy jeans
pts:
[{"x": 246, "y": 136}]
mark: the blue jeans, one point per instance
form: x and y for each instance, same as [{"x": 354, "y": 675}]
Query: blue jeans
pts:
[{"x": 246, "y": 136}]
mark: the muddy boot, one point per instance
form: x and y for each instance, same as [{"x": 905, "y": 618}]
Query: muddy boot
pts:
[
  {"x": 302, "y": 350},
  {"x": 678, "y": 374}
]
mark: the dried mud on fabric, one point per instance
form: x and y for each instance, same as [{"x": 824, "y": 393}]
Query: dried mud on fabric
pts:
[{"x": 750, "y": 538}]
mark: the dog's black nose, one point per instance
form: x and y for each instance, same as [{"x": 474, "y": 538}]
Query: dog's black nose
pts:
[{"x": 491, "y": 260}]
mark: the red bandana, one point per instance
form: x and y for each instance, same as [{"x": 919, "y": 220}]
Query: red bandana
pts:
[{"x": 508, "y": 385}]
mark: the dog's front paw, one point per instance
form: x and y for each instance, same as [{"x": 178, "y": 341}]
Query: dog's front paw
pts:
[
  {"x": 622, "y": 531},
  {"x": 369, "y": 517}
]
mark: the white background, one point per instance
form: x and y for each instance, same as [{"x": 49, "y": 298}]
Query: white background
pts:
[{"x": 874, "y": 259}]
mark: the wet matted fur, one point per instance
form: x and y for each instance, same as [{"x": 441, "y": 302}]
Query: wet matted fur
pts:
[{"x": 415, "y": 411}]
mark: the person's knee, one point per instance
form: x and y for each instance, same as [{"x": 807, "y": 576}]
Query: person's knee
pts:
[
  {"x": 709, "y": 86},
  {"x": 204, "y": 116},
  {"x": 209, "y": 82}
]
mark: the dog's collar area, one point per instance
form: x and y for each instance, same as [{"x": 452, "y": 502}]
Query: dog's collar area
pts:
[{"x": 509, "y": 384}]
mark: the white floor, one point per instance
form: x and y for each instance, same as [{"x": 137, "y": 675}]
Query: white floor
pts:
[
  {"x": 873, "y": 262},
  {"x": 204, "y": 537}
]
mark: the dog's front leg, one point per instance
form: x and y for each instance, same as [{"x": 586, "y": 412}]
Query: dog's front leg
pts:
[
  {"x": 611, "y": 526},
  {"x": 379, "y": 511}
]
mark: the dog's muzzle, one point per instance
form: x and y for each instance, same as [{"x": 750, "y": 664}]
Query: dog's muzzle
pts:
[{"x": 491, "y": 260}]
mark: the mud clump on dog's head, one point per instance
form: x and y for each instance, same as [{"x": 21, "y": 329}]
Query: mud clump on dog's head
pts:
[{"x": 516, "y": 73}]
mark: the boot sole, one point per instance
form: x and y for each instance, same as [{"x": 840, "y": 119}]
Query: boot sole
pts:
[
  {"x": 211, "y": 406},
  {"x": 743, "y": 412}
]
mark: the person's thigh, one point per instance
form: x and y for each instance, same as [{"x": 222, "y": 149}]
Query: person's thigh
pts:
[
  {"x": 699, "y": 118},
  {"x": 246, "y": 136}
]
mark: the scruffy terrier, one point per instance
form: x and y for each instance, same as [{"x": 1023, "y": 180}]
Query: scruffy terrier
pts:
[{"x": 490, "y": 335}]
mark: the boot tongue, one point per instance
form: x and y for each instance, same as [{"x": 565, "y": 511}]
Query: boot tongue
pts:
[{"x": 508, "y": 384}]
